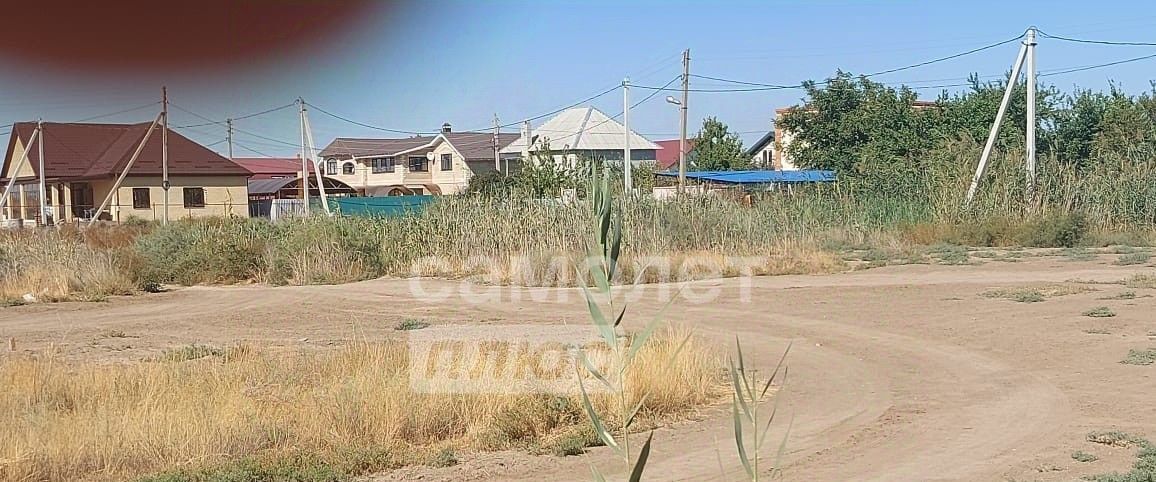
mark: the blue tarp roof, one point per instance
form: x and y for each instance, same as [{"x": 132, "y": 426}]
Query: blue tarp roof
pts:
[{"x": 757, "y": 177}]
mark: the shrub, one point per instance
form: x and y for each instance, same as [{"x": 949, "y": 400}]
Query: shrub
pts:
[
  {"x": 1132, "y": 259},
  {"x": 1100, "y": 312}
]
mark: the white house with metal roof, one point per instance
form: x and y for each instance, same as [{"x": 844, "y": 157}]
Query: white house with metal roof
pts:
[{"x": 583, "y": 132}]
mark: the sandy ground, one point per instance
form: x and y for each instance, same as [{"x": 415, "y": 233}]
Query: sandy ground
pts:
[{"x": 898, "y": 373}]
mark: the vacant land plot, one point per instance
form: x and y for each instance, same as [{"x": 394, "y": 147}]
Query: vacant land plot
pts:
[{"x": 898, "y": 373}]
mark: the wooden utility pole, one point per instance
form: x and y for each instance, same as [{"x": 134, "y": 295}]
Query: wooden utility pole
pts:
[
  {"x": 164, "y": 153},
  {"x": 682, "y": 121}
]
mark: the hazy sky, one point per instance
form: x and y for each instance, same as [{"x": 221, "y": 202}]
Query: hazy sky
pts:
[{"x": 429, "y": 62}]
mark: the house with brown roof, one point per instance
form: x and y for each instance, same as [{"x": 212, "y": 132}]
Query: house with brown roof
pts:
[
  {"x": 82, "y": 162},
  {"x": 441, "y": 164}
]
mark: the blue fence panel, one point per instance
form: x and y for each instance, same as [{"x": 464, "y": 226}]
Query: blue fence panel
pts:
[{"x": 381, "y": 206}]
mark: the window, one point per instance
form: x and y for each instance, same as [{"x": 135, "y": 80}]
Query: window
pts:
[
  {"x": 140, "y": 198},
  {"x": 417, "y": 191},
  {"x": 383, "y": 164},
  {"x": 194, "y": 197},
  {"x": 347, "y": 169},
  {"x": 447, "y": 162},
  {"x": 331, "y": 166},
  {"x": 418, "y": 164}
]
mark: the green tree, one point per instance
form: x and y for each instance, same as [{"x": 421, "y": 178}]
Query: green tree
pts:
[{"x": 717, "y": 149}]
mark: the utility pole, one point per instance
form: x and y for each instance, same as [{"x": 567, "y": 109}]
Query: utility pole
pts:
[
  {"x": 229, "y": 135},
  {"x": 304, "y": 159},
  {"x": 682, "y": 121},
  {"x": 165, "y": 153},
  {"x": 315, "y": 161},
  {"x": 43, "y": 199},
  {"x": 1011, "y": 83},
  {"x": 628, "y": 180},
  {"x": 497, "y": 162},
  {"x": 1030, "y": 43}
]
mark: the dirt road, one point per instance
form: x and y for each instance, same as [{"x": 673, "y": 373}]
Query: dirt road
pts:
[{"x": 899, "y": 373}]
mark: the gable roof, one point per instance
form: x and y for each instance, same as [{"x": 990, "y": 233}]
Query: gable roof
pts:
[
  {"x": 762, "y": 143},
  {"x": 667, "y": 157},
  {"x": 79, "y": 151},
  {"x": 266, "y": 167},
  {"x": 581, "y": 129},
  {"x": 474, "y": 146},
  {"x": 347, "y": 147}
]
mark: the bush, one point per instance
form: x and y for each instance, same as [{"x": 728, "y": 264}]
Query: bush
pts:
[{"x": 205, "y": 250}]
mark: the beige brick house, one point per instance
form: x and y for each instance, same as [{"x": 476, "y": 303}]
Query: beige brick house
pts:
[
  {"x": 82, "y": 162},
  {"x": 441, "y": 164}
]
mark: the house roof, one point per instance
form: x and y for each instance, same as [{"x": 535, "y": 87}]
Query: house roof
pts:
[
  {"x": 761, "y": 144},
  {"x": 478, "y": 145},
  {"x": 76, "y": 150},
  {"x": 472, "y": 145},
  {"x": 269, "y": 167},
  {"x": 580, "y": 129},
  {"x": 667, "y": 156}
]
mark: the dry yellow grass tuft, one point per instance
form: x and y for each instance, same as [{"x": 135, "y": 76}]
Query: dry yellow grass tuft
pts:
[
  {"x": 66, "y": 421},
  {"x": 58, "y": 265}
]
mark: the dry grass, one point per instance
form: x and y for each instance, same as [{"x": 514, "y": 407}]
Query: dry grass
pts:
[
  {"x": 68, "y": 421},
  {"x": 1141, "y": 280},
  {"x": 1037, "y": 293},
  {"x": 62, "y": 265}
]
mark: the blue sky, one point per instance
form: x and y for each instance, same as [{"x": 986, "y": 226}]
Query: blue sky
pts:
[{"x": 461, "y": 62}]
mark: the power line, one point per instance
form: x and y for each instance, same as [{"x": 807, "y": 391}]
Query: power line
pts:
[
  {"x": 210, "y": 122},
  {"x": 125, "y": 111},
  {"x": 362, "y": 124},
  {"x": 556, "y": 111},
  {"x": 1098, "y": 42},
  {"x": 250, "y": 149},
  {"x": 1097, "y": 66}
]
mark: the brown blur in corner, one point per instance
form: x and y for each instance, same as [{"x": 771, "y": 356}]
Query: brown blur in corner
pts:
[{"x": 136, "y": 36}]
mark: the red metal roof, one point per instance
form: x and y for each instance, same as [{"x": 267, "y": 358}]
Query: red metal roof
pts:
[
  {"x": 667, "y": 157},
  {"x": 84, "y": 151},
  {"x": 271, "y": 167}
]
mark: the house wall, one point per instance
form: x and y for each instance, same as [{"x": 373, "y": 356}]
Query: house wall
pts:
[
  {"x": 452, "y": 181},
  {"x": 25, "y": 170},
  {"x": 224, "y": 195}
]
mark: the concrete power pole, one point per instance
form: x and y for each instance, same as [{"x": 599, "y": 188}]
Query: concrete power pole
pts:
[
  {"x": 165, "y": 154},
  {"x": 627, "y": 165},
  {"x": 1012, "y": 80},
  {"x": 682, "y": 121},
  {"x": 43, "y": 197},
  {"x": 304, "y": 159},
  {"x": 497, "y": 159},
  {"x": 1030, "y": 43},
  {"x": 229, "y": 135}
]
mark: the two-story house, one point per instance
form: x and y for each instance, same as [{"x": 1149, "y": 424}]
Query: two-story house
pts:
[{"x": 441, "y": 164}]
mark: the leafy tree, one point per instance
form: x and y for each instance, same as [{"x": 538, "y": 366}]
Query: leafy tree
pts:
[{"x": 717, "y": 149}]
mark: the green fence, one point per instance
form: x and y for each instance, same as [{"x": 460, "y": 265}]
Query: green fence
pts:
[{"x": 380, "y": 206}]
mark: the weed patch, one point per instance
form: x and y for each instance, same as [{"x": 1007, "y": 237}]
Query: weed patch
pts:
[
  {"x": 1141, "y": 280},
  {"x": 410, "y": 324},
  {"x": 1132, "y": 259},
  {"x": 1035, "y": 294},
  {"x": 1140, "y": 357},
  {"x": 1100, "y": 312},
  {"x": 1081, "y": 456}
]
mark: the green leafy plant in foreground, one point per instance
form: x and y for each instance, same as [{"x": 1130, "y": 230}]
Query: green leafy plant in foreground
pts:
[
  {"x": 745, "y": 404},
  {"x": 601, "y": 265}
]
